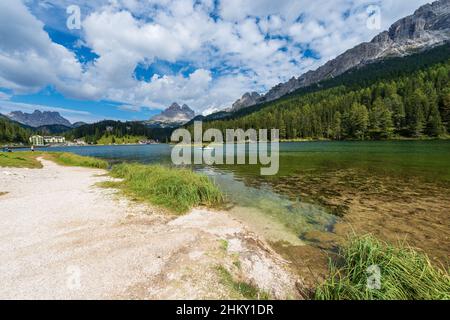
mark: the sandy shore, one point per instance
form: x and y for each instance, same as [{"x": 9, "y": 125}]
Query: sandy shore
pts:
[{"x": 62, "y": 237}]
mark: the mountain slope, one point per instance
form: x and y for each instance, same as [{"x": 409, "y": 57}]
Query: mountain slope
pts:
[
  {"x": 13, "y": 132},
  {"x": 175, "y": 115},
  {"x": 51, "y": 129},
  {"x": 428, "y": 27},
  {"x": 392, "y": 98},
  {"x": 92, "y": 133},
  {"x": 39, "y": 118},
  {"x": 355, "y": 78}
]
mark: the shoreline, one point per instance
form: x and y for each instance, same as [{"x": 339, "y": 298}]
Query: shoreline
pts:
[
  {"x": 397, "y": 139},
  {"x": 120, "y": 247}
]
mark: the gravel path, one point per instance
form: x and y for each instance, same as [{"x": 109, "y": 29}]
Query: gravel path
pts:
[{"x": 61, "y": 237}]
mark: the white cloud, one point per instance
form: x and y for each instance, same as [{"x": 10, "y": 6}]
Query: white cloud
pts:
[
  {"x": 238, "y": 46},
  {"x": 29, "y": 60},
  {"x": 129, "y": 108}
]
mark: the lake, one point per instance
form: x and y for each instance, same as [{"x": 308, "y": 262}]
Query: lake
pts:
[{"x": 325, "y": 190}]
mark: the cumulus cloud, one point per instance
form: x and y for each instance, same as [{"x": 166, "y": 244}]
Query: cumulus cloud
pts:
[
  {"x": 29, "y": 60},
  {"x": 230, "y": 46}
]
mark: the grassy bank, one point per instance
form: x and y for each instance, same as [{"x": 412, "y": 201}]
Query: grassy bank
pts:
[
  {"x": 28, "y": 159},
  {"x": 70, "y": 159},
  {"x": 178, "y": 190},
  {"x": 111, "y": 139},
  {"x": 19, "y": 160},
  {"x": 405, "y": 274}
]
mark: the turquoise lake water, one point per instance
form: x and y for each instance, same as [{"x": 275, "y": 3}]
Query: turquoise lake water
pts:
[{"x": 276, "y": 213}]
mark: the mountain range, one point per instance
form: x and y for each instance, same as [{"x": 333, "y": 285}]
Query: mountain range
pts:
[
  {"x": 175, "y": 115},
  {"x": 428, "y": 27},
  {"x": 39, "y": 118}
]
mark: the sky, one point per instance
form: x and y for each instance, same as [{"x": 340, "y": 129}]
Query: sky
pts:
[{"x": 92, "y": 60}]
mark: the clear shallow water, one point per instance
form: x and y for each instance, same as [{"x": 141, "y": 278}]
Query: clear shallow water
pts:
[{"x": 285, "y": 216}]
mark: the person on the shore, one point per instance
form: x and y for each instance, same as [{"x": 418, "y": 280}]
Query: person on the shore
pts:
[{"x": 32, "y": 148}]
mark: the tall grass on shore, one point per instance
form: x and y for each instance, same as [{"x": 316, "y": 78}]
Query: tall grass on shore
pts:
[
  {"x": 28, "y": 159},
  {"x": 405, "y": 274},
  {"x": 70, "y": 159},
  {"x": 19, "y": 160},
  {"x": 178, "y": 190}
]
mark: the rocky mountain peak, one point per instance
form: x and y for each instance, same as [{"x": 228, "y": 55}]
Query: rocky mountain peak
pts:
[
  {"x": 428, "y": 27},
  {"x": 175, "y": 114},
  {"x": 174, "y": 106},
  {"x": 39, "y": 118},
  {"x": 247, "y": 100}
]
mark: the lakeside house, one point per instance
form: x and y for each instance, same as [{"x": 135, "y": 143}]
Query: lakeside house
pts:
[
  {"x": 77, "y": 142},
  {"x": 54, "y": 140},
  {"x": 150, "y": 141},
  {"x": 38, "y": 140}
]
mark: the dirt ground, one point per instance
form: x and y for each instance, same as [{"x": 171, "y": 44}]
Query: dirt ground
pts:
[{"x": 62, "y": 237}]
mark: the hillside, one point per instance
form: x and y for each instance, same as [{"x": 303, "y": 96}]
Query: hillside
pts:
[
  {"x": 93, "y": 133},
  {"x": 428, "y": 27},
  {"x": 13, "y": 132},
  {"x": 399, "y": 97}
]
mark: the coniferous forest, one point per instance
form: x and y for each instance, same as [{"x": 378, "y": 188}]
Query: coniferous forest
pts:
[
  {"x": 11, "y": 131},
  {"x": 406, "y": 97}
]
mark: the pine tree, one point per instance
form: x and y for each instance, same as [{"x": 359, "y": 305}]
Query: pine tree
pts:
[
  {"x": 337, "y": 126},
  {"x": 395, "y": 104},
  {"x": 434, "y": 126},
  {"x": 357, "y": 121},
  {"x": 380, "y": 119},
  {"x": 444, "y": 108}
]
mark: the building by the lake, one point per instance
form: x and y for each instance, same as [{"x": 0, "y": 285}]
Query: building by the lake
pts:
[
  {"x": 54, "y": 140},
  {"x": 38, "y": 140}
]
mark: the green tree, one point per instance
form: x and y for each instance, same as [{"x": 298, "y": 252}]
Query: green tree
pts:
[
  {"x": 357, "y": 121},
  {"x": 395, "y": 104},
  {"x": 434, "y": 126},
  {"x": 337, "y": 126},
  {"x": 417, "y": 104},
  {"x": 444, "y": 108},
  {"x": 380, "y": 119}
]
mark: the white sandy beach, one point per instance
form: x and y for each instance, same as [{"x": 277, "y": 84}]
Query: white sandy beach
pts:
[{"x": 62, "y": 237}]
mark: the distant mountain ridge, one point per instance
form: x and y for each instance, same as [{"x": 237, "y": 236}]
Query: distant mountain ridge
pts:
[
  {"x": 173, "y": 116},
  {"x": 428, "y": 27},
  {"x": 39, "y": 118}
]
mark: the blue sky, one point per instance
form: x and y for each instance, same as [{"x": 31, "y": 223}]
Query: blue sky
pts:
[{"x": 129, "y": 59}]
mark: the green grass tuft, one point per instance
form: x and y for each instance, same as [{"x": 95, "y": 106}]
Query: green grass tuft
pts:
[
  {"x": 178, "y": 190},
  {"x": 244, "y": 289},
  {"x": 70, "y": 159},
  {"x": 224, "y": 244},
  {"x": 405, "y": 274},
  {"x": 19, "y": 160}
]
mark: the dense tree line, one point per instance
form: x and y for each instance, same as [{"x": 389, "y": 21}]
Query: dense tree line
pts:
[
  {"x": 413, "y": 105},
  {"x": 12, "y": 132},
  {"x": 92, "y": 133}
]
